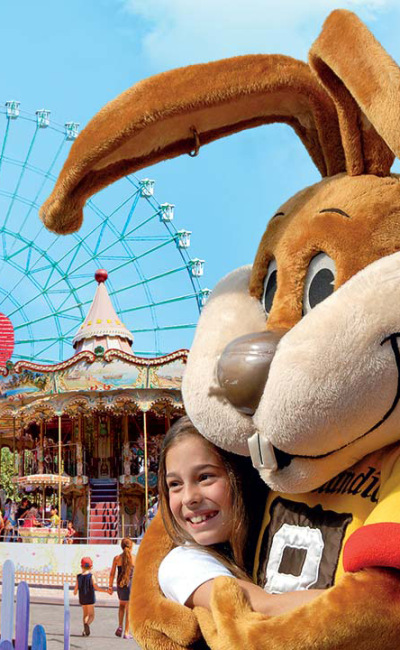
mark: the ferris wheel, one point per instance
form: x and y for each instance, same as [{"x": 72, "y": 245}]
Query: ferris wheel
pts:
[{"x": 46, "y": 281}]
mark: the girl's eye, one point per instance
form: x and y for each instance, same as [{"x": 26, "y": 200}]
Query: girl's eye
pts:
[
  {"x": 172, "y": 485},
  {"x": 205, "y": 477}
]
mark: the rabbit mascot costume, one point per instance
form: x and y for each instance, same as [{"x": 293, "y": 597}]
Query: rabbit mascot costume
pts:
[{"x": 317, "y": 320}]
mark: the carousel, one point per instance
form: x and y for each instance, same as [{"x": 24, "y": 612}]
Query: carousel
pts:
[{"x": 85, "y": 433}]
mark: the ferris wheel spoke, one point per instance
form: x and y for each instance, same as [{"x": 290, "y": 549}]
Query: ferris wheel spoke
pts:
[
  {"x": 47, "y": 175},
  {"x": 15, "y": 302},
  {"x": 25, "y": 357},
  {"x": 128, "y": 234},
  {"x": 42, "y": 254},
  {"x": 42, "y": 290},
  {"x": 3, "y": 146},
  {"x": 46, "y": 348},
  {"x": 50, "y": 275},
  {"x": 165, "y": 328},
  {"x": 100, "y": 256},
  {"x": 18, "y": 252},
  {"x": 46, "y": 317},
  {"x": 20, "y": 177},
  {"x": 50, "y": 339},
  {"x": 101, "y": 233},
  {"x": 117, "y": 209},
  {"x": 153, "y": 278},
  {"x": 28, "y": 167},
  {"x": 168, "y": 301},
  {"x": 131, "y": 211}
]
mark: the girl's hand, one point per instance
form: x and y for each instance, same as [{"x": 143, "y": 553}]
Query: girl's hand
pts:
[{"x": 110, "y": 590}]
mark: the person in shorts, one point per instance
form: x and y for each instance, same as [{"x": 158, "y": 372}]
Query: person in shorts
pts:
[
  {"x": 86, "y": 587},
  {"x": 123, "y": 564}
]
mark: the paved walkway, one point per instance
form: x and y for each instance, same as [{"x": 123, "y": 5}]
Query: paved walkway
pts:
[{"x": 47, "y": 609}]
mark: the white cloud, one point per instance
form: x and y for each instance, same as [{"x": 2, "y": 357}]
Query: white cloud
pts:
[{"x": 179, "y": 32}]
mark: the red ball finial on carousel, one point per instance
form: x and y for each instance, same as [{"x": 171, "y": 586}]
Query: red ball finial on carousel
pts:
[{"x": 101, "y": 275}]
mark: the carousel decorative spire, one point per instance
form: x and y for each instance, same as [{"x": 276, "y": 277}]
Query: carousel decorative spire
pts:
[{"x": 102, "y": 325}]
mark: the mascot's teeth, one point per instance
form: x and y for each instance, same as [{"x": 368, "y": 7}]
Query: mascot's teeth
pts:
[{"x": 262, "y": 453}]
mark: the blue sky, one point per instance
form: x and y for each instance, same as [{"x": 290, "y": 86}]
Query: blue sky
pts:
[{"x": 72, "y": 57}]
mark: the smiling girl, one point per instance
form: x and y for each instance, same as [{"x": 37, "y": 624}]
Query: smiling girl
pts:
[{"x": 205, "y": 494}]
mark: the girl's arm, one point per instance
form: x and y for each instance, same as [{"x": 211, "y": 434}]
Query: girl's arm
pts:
[
  {"x": 112, "y": 575},
  {"x": 76, "y": 587},
  {"x": 260, "y": 600}
]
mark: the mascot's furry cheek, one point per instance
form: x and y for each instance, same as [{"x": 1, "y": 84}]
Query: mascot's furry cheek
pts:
[
  {"x": 230, "y": 312},
  {"x": 333, "y": 387}
]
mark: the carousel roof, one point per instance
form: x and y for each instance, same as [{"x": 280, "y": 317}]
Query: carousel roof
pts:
[
  {"x": 42, "y": 480},
  {"x": 104, "y": 375},
  {"x": 102, "y": 325}
]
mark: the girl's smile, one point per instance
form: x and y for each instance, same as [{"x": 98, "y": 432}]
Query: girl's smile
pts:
[{"x": 198, "y": 491}]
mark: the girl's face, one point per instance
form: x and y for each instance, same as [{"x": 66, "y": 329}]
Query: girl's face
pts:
[{"x": 198, "y": 491}]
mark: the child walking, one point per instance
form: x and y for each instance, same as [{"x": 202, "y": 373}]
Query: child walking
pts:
[
  {"x": 202, "y": 495},
  {"x": 123, "y": 564},
  {"x": 86, "y": 586}
]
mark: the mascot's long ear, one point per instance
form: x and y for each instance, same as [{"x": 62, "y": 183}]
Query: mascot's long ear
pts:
[
  {"x": 177, "y": 111},
  {"x": 364, "y": 82}
]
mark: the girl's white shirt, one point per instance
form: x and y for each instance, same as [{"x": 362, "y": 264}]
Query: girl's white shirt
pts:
[{"x": 184, "y": 569}]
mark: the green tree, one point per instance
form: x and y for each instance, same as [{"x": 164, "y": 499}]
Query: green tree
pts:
[{"x": 7, "y": 472}]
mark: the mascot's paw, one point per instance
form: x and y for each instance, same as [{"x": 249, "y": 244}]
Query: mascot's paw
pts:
[
  {"x": 361, "y": 612},
  {"x": 179, "y": 630},
  {"x": 224, "y": 627}
]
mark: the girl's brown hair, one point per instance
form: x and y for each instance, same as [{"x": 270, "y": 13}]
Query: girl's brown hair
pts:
[
  {"x": 239, "y": 471},
  {"x": 126, "y": 563}
]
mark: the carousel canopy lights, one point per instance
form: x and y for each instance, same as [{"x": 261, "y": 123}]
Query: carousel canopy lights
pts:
[{"x": 42, "y": 480}]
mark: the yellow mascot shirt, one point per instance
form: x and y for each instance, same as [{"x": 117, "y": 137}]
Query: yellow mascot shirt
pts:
[{"x": 350, "y": 522}]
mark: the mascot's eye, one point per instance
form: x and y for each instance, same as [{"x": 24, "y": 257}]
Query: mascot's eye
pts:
[
  {"x": 320, "y": 281},
  {"x": 270, "y": 286}
]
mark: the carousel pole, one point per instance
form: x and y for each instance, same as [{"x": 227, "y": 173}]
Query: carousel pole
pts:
[
  {"x": 146, "y": 473},
  {"x": 41, "y": 449},
  {"x": 14, "y": 443},
  {"x": 59, "y": 476}
]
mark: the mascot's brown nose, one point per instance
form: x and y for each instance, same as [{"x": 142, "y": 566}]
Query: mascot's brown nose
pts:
[{"x": 244, "y": 366}]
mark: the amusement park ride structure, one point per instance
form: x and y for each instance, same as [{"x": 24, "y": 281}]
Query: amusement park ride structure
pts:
[
  {"x": 85, "y": 431},
  {"x": 92, "y": 425}
]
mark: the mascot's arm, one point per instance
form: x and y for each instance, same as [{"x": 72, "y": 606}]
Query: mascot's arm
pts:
[
  {"x": 157, "y": 623},
  {"x": 362, "y": 612}
]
